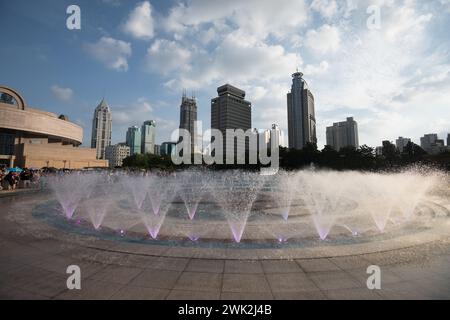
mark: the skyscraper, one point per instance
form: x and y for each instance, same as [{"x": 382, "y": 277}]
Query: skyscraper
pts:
[
  {"x": 401, "y": 143},
  {"x": 231, "y": 111},
  {"x": 343, "y": 134},
  {"x": 448, "y": 140},
  {"x": 148, "y": 132},
  {"x": 432, "y": 144},
  {"x": 101, "y": 129},
  {"x": 133, "y": 140},
  {"x": 301, "y": 114},
  {"x": 188, "y": 117}
]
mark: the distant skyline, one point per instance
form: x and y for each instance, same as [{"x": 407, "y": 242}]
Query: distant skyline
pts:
[{"x": 139, "y": 56}]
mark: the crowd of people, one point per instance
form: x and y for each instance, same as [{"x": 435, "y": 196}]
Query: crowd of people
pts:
[{"x": 14, "y": 179}]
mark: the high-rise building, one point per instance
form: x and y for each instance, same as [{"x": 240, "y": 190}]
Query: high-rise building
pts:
[
  {"x": 133, "y": 140},
  {"x": 148, "y": 133},
  {"x": 188, "y": 118},
  {"x": 301, "y": 114},
  {"x": 274, "y": 133},
  {"x": 116, "y": 153},
  {"x": 432, "y": 144},
  {"x": 448, "y": 140},
  {"x": 231, "y": 111},
  {"x": 101, "y": 129},
  {"x": 379, "y": 151},
  {"x": 401, "y": 143},
  {"x": 343, "y": 134},
  {"x": 168, "y": 148},
  {"x": 157, "y": 150}
]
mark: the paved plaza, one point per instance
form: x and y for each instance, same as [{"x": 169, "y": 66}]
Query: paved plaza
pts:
[{"x": 34, "y": 257}]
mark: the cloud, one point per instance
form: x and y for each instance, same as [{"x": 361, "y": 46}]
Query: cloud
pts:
[
  {"x": 383, "y": 77},
  {"x": 324, "y": 40},
  {"x": 62, "y": 94},
  {"x": 135, "y": 114},
  {"x": 313, "y": 70},
  {"x": 140, "y": 24},
  {"x": 112, "y": 53},
  {"x": 238, "y": 59},
  {"x": 251, "y": 16},
  {"x": 165, "y": 56},
  {"x": 327, "y": 8}
]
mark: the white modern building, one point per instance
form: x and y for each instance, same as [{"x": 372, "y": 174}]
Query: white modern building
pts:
[
  {"x": 116, "y": 153},
  {"x": 343, "y": 134},
  {"x": 101, "y": 129}
]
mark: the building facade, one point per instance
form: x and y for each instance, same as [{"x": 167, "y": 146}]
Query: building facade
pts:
[
  {"x": 301, "y": 114},
  {"x": 343, "y": 134},
  {"x": 432, "y": 144},
  {"x": 401, "y": 143},
  {"x": 101, "y": 129},
  {"x": 133, "y": 139},
  {"x": 33, "y": 138},
  {"x": 168, "y": 148},
  {"x": 116, "y": 153},
  {"x": 230, "y": 110},
  {"x": 157, "y": 150},
  {"x": 188, "y": 119},
  {"x": 148, "y": 135},
  {"x": 448, "y": 140}
]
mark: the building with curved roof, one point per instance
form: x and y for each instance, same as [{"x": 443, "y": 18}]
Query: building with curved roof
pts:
[{"x": 31, "y": 137}]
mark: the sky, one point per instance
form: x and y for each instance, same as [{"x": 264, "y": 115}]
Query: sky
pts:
[{"x": 391, "y": 74}]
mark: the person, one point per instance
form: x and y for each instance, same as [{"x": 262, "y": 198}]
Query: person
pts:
[
  {"x": 11, "y": 180},
  {"x": 26, "y": 177},
  {"x": 2, "y": 176}
]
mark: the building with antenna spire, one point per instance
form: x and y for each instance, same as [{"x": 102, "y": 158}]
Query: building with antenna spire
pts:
[
  {"x": 101, "y": 129},
  {"x": 188, "y": 118},
  {"x": 301, "y": 114}
]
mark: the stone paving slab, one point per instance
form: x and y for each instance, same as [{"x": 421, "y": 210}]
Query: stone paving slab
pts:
[
  {"x": 154, "y": 278},
  {"x": 199, "y": 281},
  {"x": 206, "y": 265},
  {"x": 334, "y": 280},
  {"x": 235, "y": 282},
  {"x": 140, "y": 293},
  {"x": 280, "y": 266},
  {"x": 193, "y": 295},
  {"x": 239, "y": 266},
  {"x": 290, "y": 282},
  {"x": 33, "y": 266},
  {"x": 317, "y": 265}
]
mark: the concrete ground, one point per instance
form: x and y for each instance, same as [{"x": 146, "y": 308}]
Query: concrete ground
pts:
[{"x": 34, "y": 258}]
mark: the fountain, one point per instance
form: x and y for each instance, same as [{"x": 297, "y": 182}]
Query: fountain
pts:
[
  {"x": 71, "y": 189},
  {"x": 290, "y": 208},
  {"x": 235, "y": 194}
]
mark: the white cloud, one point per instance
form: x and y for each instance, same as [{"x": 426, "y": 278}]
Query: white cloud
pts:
[
  {"x": 135, "y": 114},
  {"x": 112, "y": 53},
  {"x": 140, "y": 22},
  {"x": 324, "y": 40},
  {"x": 62, "y": 94},
  {"x": 313, "y": 70},
  {"x": 165, "y": 56},
  {"x": 327, "y": 8},
  {"x": 383, "y": 77},
  {"x": 252, "y": 16}
]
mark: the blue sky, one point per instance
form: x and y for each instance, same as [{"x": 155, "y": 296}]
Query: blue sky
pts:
[{"x": 139, "y": 55}]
